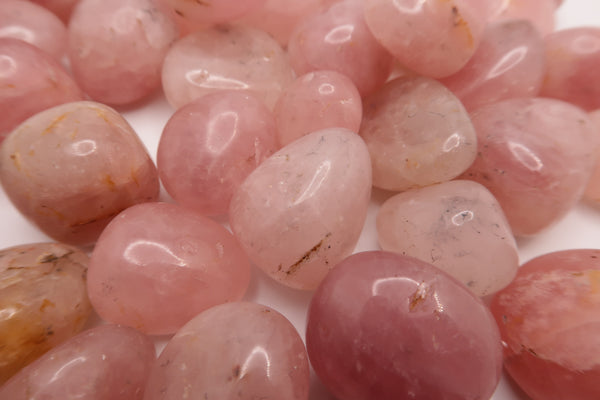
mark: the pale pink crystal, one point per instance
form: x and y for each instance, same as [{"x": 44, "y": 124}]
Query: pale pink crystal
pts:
[
  {"x": 539, "y": 12},
  {"x": 592, "y": 191},
  {"x": 213, "y": 11},
  {"x": 62, "y": 8}
]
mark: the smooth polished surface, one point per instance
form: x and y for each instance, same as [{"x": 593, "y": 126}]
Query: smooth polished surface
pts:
[
  {"x": 235, "y": 351},
  {"x": 539, "y": 12},
  {"x": 592, "y": 191},
  {"x": 213, "y": 11},
  {"x": 62, "y": 8}
]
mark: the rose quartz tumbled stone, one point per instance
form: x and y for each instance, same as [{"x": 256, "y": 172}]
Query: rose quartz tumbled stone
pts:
[
  {"x": 104, "y": 363},
  {"x": 539, "y": 12},
  {"x": 225, "y": 57},
  {"x": 418, "y": 133},
  {"x": 457, "y": 226},
  {"x": 213, "y": 11},
  {"x": 549, "y": 320},
  {"x": 317, "y": 100},
  {"x": 210, "y": 145},
  {"x": 302, "y": 210},
  {"x": 157, "y": 265},
  {"x": 116, "y": 48},
  {"x": 232, "y": 351},
  {"x": 592, "y": 191},
  {"x": 509, "y": 63},
  {"x": 338, "y": 39},
  {"x": 536, "y": 156},
  {"x": 62, "y": 8},
  {"x": 30, "y": 81},
  {"x": 385, "y": 326},
  {"x": 72, "y": 168}
]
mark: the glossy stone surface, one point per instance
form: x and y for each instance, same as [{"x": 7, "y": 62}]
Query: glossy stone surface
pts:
[
  {"x": 72, "y": 168},
  {"x": 209, "y": 147},
  {"x": 116, "y": 48},
  {"x": 539, "y": 12},
  {"x": 509, "y": 63},
  {"x": 302, "y": 210},
  {"x": 418, "y": 133},
  {"x": 232, "y": 351},
  {"x": 317, "y": 100},
  {"x": 62, "y": 8},
  {"x": 592, "y": 191},
  {"x": 548, "y": 318},
  {"x": 156, "y": 266},
  {"x": 43, "y": 301},
  {"x": 213, "y": 11},
  {"x": 385, "y": 326},
  {"x": 225, "y": 57},
  {"x": 457, "y": 226},
  {"x": 104, "y": 363},
  {"x": 338, "y": 39},
  {"x": 30, "y": 81},
  {"x": 572, "y": 75},
  {"x": 535, "y": 156}
]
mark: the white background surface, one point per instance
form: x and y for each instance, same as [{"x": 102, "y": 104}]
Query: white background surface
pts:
[{"x": 580, "y": 229}]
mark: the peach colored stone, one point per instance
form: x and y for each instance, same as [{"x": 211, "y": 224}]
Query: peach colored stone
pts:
[
  {"x": 539, "y": 12},
  {"x": 213, "y": 11},
  {"x": 72, "y": 168},
  {"x": 62, "y": 8},
  {"x": 592, "y": 191},
  {"x": 302, "y": 210}
]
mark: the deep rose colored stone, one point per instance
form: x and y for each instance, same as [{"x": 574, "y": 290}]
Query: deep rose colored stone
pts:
[
  {"x": 385, "y": 326},
  {"x": 62, "y": 8},
  {"x": 457, "y": 226},
  {"x": 157, "y": 265},
  {"x": 43, "y": 301},
  {"x": 302, "y": 210},
  {"x": 338, "y": 39},
  {"x": 317, "y": 100},
  {"x": 213, "y": 11},
  {"x": 117, "y": 47},
  {"x": 539, "y": 12},
  {"x": 535, "y": 156},
  {"x": 418, "y": 133},
  {"x": 72, "y": 168},
  {"x": 209, "y": 147},
  {"x": 509, "y": 63},
  {"x": 572, "y": 74},
  {"x": 225, "y": 57},
  {"x": 236, "y": 350},
  {"x": 432, "y": 37},
  {"x": 592, "y": 191},
  {"x": 549, "y": 320},
  {"x": 30, "y": 81},
  {"x": 104, "y": 363},
  {"x": 35, "y": 25}
]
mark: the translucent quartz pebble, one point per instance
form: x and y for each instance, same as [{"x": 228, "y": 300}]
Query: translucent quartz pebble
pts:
[
  {"x": 539, "y": 12},
  {"x": 213, "y": 11},
  {"x": 209, "y": 147},
  {"x": 338, "y": 39},
  {"x": 418, "y": 133},
  {"x": 116, "y": 47},
  {"x": 449, "y": 30},
  {"x": 157, "y": 265},
  {"x": 317, "y": 100},
  {"x": 386, "y": 326},
  {"x": 225, "y": 57},
  {"x": 108, "y": 362},
  {"x": 457, "y": 226},
  {"x": 573, "y": 56},
  {"x": 30, "y": 81},
  {"x": 72, "y": 168},
  {"x": 302, "y": 210},
  {"x": 43, "y": 301},
  {"x": 34, "y": 24},
  {"x": 592, "y": 192},
  {"x": 62, "y": 8},
  {"x": 509, "y": 63},
  {"x": 548, "y": 318},
  {"x": 232, "y": 351},
  {"x": 535, "y": 156}
]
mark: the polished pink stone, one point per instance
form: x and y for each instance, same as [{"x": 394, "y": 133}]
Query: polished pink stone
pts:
[
  {"x": 72, "y": 168},
  {"x": 116, "y": 48},
  {"x": 338, "y": 39},
  {"x": 302, "y": 210},
  {"x": 549, "y": 322},
  {"x": 30, "y": 81},
  {"x": 592, "y": 191},
  {"x": 157, "y": 265},
  {"x": 384, "y": 326},
  {"x": 209, "y": 147},
  {"x": 317, "y": 100},
  {"x": 539, "y": 12},
  {"x": 213, "y": 11},
  {"x": 34, "y": 24},
  {"x": 232, "y": 351},
  {"x": 418, "y": 133},
  {"x": 536, "y": 156},
  {"x": 225, "y": 57},
  {"x": 62, "y": 8},
  {"x": 509, "y": 62},
  {"x": 572, "y": 75},
  {"x": 104, "y": 363}
]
